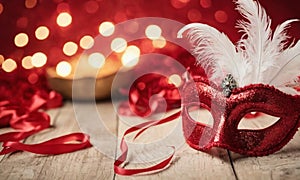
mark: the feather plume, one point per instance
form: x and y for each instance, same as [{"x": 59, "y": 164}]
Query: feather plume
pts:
[
  {"x": 214, "y": 51},
  {"x": 280, "y": 36},
  {"x": 288, "y": 66},
  {"x": 256, "y": 39},
  {"x": 259, "y": 57}
]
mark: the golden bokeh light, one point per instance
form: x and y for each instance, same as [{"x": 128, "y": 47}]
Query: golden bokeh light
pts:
[
  {"x": 131, "y": 56},
  {"x": 21, "y": 40},
  {"x": 30, "y": 3},
  {"x": 9, "y": 65},
  {"x": 1, "y": 59},
  {"x": 63, "y": 68},
  {"x": 26, "y": 62},
  {"x": 86, "y": 42},
  {"x": 96, "y": 60},
  {"x": 42, "y": 32},
  {"x": 153, "y": 32},
  {"x": 159, "y": 43},
  {"x": 1, "y": 8},
  {"x": 118, "y": 45},
  {"x": 175, "y": 79},
  {"x": 39, "y": 59},
  {"x": 64, "y": 19},
  {"x": 106, "y": 28},
  {"x": 70, "y": 48}
]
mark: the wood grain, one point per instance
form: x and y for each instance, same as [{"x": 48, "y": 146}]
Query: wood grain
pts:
[
  {"x": 284, "y": 164},
  {"x": 22, "y": 165},
  {"x": 187, "y": 164},
  {"x": 84, "y": 164}
]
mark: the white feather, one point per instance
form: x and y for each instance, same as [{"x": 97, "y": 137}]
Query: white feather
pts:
[
  {"x": 214, "y": 51},
  {"x": 256, "y": 39},
  {"x": 259, "y": 57},
  {"x": 288, "y": 66},
  {"x": 288, "y": 90},
  {"x": 280, "y": 37}
]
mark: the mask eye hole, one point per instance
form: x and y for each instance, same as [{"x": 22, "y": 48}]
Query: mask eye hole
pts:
[
  {"x": 257, "y": 121},
  {"x": 201, "y": 115}
]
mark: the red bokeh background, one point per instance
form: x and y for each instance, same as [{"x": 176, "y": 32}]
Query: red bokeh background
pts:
[{"x": 15, "y": 17}]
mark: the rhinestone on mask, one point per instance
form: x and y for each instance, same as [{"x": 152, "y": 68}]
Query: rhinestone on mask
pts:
[{"x": 228, "y": 84}]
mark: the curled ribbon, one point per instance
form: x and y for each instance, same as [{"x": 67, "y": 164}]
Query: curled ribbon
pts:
[
  {"x": 124, "y": 148},
  {"x": 20, "y": 109}
]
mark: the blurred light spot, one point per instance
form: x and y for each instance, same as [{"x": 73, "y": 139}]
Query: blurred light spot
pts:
[
  {"x": 1, "y": 59},
  {"x": 120, "y": 17},
  {"x": 179, "y": 3},
  {"x": 205, "y": 3},
  {"x": 62, "y": 7},
  {"x": 33, "y": 78},
  {"x": 1, "y": 8},
  {"x": 147, "y": 46},
  {"x": 153, "y": 32},
  {"x": 39, "y": 59},
  {"x": 131, "y": 27},
  {"x": 22, "y": 22},
  {"x": 27, "y": 62},
  {"x": 41, "y": 32},
  {"x": 118, "y": 45},
  {"x": 70, "y": 48},
  {"x": 86, "y": 42},
  {"x": 91, "y": 6},
  {"x": 63, "y": 68},
  {"x": 64, "y": 19},
  {"x": 21, "y": 40},
  {"x": 221, "y": 16},
  {"x": 106, "y": 29},
  {"x": 96, "y": 60},
  {"x": 131, "y": 56},
  {"x": 175, "y": 79},
  {"x": 159, "y": 43},
  {"x": 9, "y": 65},
  {"x": 30, "y": 3},
  {"x": 194, "y": 15}
]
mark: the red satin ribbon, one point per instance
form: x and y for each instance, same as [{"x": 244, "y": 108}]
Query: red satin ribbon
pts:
[
  {"x": 28, "y": 120},
  {"x": 54, "y": 146},
  {"x": 124, "y": 148}
]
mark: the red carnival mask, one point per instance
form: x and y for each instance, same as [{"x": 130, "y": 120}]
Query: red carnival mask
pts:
[
  {"x": 227, "y": 113},
  {"x": 256, "y": 75}
]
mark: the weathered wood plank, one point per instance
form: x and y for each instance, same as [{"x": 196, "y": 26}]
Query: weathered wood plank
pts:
[
  {"x": 84, "y": 164},
  {"x": 187, "y": 164},
  {"x": 22, "y": 165},
  {"x": 284, "y": 164},
  {"x": 52, "y": 113},
  {"x": 2, "y": 131}
]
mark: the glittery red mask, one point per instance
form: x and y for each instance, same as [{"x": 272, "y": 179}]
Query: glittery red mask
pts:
[{"x": 227, "y": 113}]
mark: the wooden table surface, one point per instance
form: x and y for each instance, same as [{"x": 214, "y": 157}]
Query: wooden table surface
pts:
[{"x": 187, "y": 164}]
